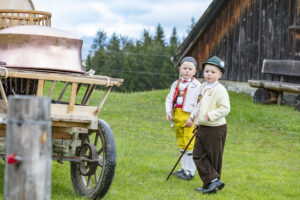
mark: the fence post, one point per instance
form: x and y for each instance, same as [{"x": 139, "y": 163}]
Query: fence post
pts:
[{"x": 28, "y": 149}]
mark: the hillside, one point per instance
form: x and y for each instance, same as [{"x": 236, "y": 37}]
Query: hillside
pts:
[{"x": 261, "y": 158}]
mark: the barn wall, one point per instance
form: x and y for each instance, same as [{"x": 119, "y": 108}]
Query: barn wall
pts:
[{"x": 244, "y": 32}]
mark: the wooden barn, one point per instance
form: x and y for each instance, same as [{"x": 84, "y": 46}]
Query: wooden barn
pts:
[{"x": 245, "y": 33}]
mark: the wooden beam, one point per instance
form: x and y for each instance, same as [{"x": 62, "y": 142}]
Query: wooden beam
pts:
[
  {"x": 103, "y": 100},
  {"x": 70, "y": 77},
  {"x": 276, "y": 86},
  {"x": 281, "y": 67},
  {"x": 16, "y": 86},
  {"x": 72, "y": 97},
  {"x": 3, "y": 95},
  {"x": 87, "y": 95},
  {"x": 27, "y": 86},
  {"x": 78, "y": 88},
  {"x": 21, "y": 88},
  {"x": 51, "y": 89},
  {"x": 40, "y": 88},
  {"x": 279, "y": 100},
  {"x": 69, "y": 129},
  {"x": 11, "y": 86},
  {"x": 69, "y": 124},
  {"x": 63, "y": 91},
  {"x": 61, "y": 135},
  {"x": 2, "y": 132}
]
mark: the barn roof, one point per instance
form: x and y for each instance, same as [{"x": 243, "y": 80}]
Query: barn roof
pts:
[{"x": 198, "y": 29}]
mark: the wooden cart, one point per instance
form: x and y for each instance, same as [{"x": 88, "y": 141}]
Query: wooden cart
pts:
[{"x": 78, "y": 135}]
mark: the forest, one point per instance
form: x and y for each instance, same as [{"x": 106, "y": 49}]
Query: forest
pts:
[{"x": 145, "y": 64}]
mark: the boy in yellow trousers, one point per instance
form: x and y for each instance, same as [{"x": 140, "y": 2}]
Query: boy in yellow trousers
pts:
[
  {"x": 180, "y": 102},
  {"x": 210, "y": 122}
]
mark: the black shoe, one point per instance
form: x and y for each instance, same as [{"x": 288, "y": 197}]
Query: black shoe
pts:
[
  {"x": 221, "y": 185},
  {"x": 186, "y": 176},
  {"x": 178, "y": 172},
  {"x": 212, "y": 187},
  {"x": 200, "y": 189}
]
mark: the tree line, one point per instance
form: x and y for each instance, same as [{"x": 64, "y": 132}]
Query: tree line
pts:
[{"x": 144, "y": 64}]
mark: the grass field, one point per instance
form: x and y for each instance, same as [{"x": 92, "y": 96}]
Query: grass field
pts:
[{"x": 261, "y": 157}]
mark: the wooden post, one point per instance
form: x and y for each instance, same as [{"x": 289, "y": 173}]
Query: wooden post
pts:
[
  {"x": 29, "y": 149},
  {"x": 279, "y": 100},
  {"x": 72, "y": 97}
]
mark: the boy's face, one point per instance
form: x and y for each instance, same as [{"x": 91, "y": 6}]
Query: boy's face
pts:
[
  {"x": 187, "y": 70},
  {"x": 212, "y": 73}
]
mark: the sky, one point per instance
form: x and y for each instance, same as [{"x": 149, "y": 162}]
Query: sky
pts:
[{"x": 83, "y": 18}]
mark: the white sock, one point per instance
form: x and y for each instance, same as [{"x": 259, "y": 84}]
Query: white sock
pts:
[
  {"x": 215, "y": 180},
  {"x": 183, "y": 160},
  {"x": 190, "y": 162}
]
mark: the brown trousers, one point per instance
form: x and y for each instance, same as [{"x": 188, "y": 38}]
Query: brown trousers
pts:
[{"x": 208, "y": 152}]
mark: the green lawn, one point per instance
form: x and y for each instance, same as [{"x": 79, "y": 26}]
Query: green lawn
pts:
[{"x": 261, "y": 157}]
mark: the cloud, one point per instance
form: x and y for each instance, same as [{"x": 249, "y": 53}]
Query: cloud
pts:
[{"x": 126, "y": 18}]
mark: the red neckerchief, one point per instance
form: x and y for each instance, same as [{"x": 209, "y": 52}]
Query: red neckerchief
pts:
[{"x": 177, "y": 91}]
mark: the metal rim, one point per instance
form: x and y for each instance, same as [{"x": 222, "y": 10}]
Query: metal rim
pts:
[{"x": 90, "y": 169}]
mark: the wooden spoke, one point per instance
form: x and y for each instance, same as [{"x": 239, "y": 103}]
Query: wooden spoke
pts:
[
  {"x": 83, "y": 180},
  {"x": 96, "y": 176},
  {"x": 96, "y": 140},
  {"x": 100, "y": 151},
  {"x": 89, "y": 139},
  {"x": 88, "y": 181},
  {"x": 100, "y": 162}
]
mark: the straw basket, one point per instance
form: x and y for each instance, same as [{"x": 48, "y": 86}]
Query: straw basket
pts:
[{"x": 10, "y": 18}]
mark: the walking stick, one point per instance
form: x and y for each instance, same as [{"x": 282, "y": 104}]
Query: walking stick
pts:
[{"x": 194, "y": 131}]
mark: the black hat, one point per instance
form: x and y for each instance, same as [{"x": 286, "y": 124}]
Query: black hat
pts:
[
  {"x": 215, "y": 61},
  {"x": 189, "y": 59}
]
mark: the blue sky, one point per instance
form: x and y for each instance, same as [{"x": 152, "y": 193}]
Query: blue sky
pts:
[{"x": 129, "y": 18}]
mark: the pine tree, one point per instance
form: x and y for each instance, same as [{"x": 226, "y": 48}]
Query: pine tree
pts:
[
  {"x": 193, "y": 23},
  {"x": 144, "y": 65},
  {"x": 96, "y": 57},
  {"x": 159, "y": 35},
  {"x": 99, "y": 41}
]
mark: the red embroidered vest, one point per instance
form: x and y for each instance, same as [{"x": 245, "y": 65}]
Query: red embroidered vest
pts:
[{"x": 177, "y": 92}]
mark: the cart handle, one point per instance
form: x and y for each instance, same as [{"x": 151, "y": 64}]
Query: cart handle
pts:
[{"x": 6, "y": 71}]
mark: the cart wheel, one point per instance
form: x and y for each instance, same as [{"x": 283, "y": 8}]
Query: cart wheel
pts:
[
  {"x": 264, "y": 96},
  {"x": 93, "y": 176},
  {"x": 297, "y": 103}
]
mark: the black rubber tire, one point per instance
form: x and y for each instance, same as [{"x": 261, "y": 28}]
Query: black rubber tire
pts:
[
  {"x": 109, "y": 155},
  {"x": 264, "y": 96}
]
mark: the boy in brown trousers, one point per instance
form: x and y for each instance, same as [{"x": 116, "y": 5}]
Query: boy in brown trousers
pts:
[{"x": 210, "y": 122}]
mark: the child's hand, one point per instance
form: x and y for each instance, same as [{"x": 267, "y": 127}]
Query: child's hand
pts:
[
  {"x": 169, "y": 117},
  {"x": 189, "y": 122},
  {"x": 206, "y": 117}
]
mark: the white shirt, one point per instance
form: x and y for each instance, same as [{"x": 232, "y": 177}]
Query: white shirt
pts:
[{"x": 182, "y": 87}]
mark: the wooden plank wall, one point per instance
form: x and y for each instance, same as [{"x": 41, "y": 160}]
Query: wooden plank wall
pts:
[{"x": 244, "y": 32}]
